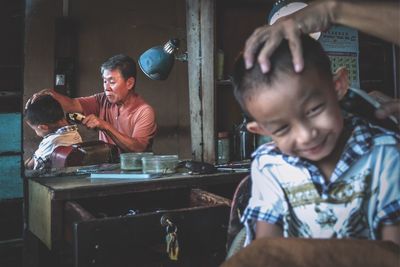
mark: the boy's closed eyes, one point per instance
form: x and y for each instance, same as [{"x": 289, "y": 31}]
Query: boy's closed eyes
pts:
[{"x": 279, "y": 128}]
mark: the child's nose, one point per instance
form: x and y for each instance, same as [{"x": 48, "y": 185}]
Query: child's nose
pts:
[{"x": 305, "y": 133}]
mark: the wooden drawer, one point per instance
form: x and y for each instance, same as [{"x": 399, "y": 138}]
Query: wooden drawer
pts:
[{"x": 102, "y": 233}]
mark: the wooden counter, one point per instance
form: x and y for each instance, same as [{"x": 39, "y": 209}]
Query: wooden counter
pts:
[{"x": 47, "y": 196}]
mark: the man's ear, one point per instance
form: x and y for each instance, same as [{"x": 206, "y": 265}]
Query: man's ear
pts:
[
  {"x": 341, "y": 82},
  {"x": 254, "y": 127},
  {"x": 131, "y": 83}
]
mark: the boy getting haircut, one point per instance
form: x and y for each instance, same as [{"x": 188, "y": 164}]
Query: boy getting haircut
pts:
[
  {"x": 46, "y": 117},
  {"x": 45, "y": 110},
  {"x": 326, "y": 174}
]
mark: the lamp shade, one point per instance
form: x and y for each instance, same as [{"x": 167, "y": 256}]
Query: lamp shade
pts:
[
  {"x": 157, "y": 62},
  {"x": 283, "y": 8}
]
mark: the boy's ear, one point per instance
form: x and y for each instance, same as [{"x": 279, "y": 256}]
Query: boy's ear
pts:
[
  {"x": 254, "y": 127},
  {"x": 43, "y": 127},
  {"x": 341, "y": 82}
]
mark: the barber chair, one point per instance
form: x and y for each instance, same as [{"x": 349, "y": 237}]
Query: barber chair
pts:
[
  {"x": 85, "y": 153},
  {"x": 236, "y": 230},
  {"x": 300, "y": 252}
]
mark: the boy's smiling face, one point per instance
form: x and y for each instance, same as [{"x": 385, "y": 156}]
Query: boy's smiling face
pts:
[{"x": 301, "y": 113}]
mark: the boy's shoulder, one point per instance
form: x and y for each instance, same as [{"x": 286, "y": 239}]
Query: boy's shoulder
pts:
[
  {"x": 385, "y": 139},
  {"x": 65, "y": 135},
  {"x": 368, "y": 132}
]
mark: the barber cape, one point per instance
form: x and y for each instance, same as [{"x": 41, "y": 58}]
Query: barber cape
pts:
[{"x": 64, "y": 136}]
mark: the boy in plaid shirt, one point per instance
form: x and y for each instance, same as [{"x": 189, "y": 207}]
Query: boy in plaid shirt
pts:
[
  {"x": 325, "y": 175},
  {"x": 46, "y": 117}
]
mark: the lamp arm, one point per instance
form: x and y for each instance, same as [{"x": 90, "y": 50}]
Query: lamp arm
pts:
[{"x": 182, "y": 57}]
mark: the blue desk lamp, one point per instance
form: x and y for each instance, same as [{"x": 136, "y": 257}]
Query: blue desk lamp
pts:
[
  {"x": 157, "y": 62},
  {"x": 283, "y": 8}
]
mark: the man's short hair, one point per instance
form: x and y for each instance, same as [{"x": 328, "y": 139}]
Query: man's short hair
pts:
[
  {"x": 44, "y": 110},
  {"x": 246, "y": 82},
  {"x": 125, "y": 64}
]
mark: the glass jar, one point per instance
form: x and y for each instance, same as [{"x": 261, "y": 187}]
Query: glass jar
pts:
[
  {"x": 244, "y": 141},
  {"x": 223, "y": 151},
  {"x": 162, "y": 164},
  {"x": 133, "y": 161}
]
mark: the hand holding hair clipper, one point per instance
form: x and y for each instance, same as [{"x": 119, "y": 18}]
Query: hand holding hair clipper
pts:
[
  {"x": 376, "y": 107},
  {"x": 75, "y": 117},
  {"x": 389, "y": 107}
]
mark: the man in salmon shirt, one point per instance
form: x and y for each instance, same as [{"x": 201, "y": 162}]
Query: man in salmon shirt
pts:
[{"x": 122, "y": 117}]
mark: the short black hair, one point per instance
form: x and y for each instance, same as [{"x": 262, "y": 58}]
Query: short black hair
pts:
[
  {"x": 125, "y": 64},
  {"x": 246, "y": 82},
  {"x": 44, "y": 110}
]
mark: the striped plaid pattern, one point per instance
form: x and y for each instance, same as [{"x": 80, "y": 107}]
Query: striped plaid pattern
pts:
[
  {"x": 65, "y": 135},
  {"x": 65, "y": 129},
  {"x": 358, "y": 144}
]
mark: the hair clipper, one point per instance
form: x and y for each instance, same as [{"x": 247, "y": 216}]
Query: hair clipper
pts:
[
  {"x": 362, "y": 104},
  {"x": 75, "y": 117}
]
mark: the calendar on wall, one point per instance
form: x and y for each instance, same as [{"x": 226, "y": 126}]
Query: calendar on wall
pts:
[{"x": 341, "y": 45}]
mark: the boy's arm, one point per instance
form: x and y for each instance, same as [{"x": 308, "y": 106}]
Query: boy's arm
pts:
[
  {"x": 264, "y": 229},
  {"x": 29, "y": 163},
  {"x": 391, "y": 233}
]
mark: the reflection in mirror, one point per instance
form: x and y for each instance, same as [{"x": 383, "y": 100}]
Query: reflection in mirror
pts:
[{"x": 87, "y": 40}]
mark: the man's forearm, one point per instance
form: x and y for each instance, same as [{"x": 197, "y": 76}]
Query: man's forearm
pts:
[
  {"x": 380, "y": 19},
  {"x": 29, "y": 163},
  {"x": 68, "y": 104}
]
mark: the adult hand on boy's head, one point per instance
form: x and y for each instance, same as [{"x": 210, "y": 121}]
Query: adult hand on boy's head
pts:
[
  {"x": 268, "y": 39},
  {"x": 314, "y": 18},
  {"x": 32, "y": 99}
]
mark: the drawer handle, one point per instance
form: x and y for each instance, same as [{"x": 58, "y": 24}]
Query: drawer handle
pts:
[
  {"x": 171, "y": 238},
  {"x": 166, "y": 221}
]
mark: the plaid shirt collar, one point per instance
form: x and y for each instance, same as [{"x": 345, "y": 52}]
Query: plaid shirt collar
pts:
[
  {"x": 64, "y": 129},
  {"x": 357, "y": 145}
]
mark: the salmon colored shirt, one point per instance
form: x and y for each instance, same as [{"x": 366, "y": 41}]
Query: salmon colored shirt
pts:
[{"x": 136, "y": 121}]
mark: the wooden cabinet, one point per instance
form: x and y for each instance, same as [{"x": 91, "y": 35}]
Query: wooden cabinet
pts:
[
  {"x": 111, "y": 237},
  {"x": 213, "y": 25},
  {"x": 89, "y": 220}
]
